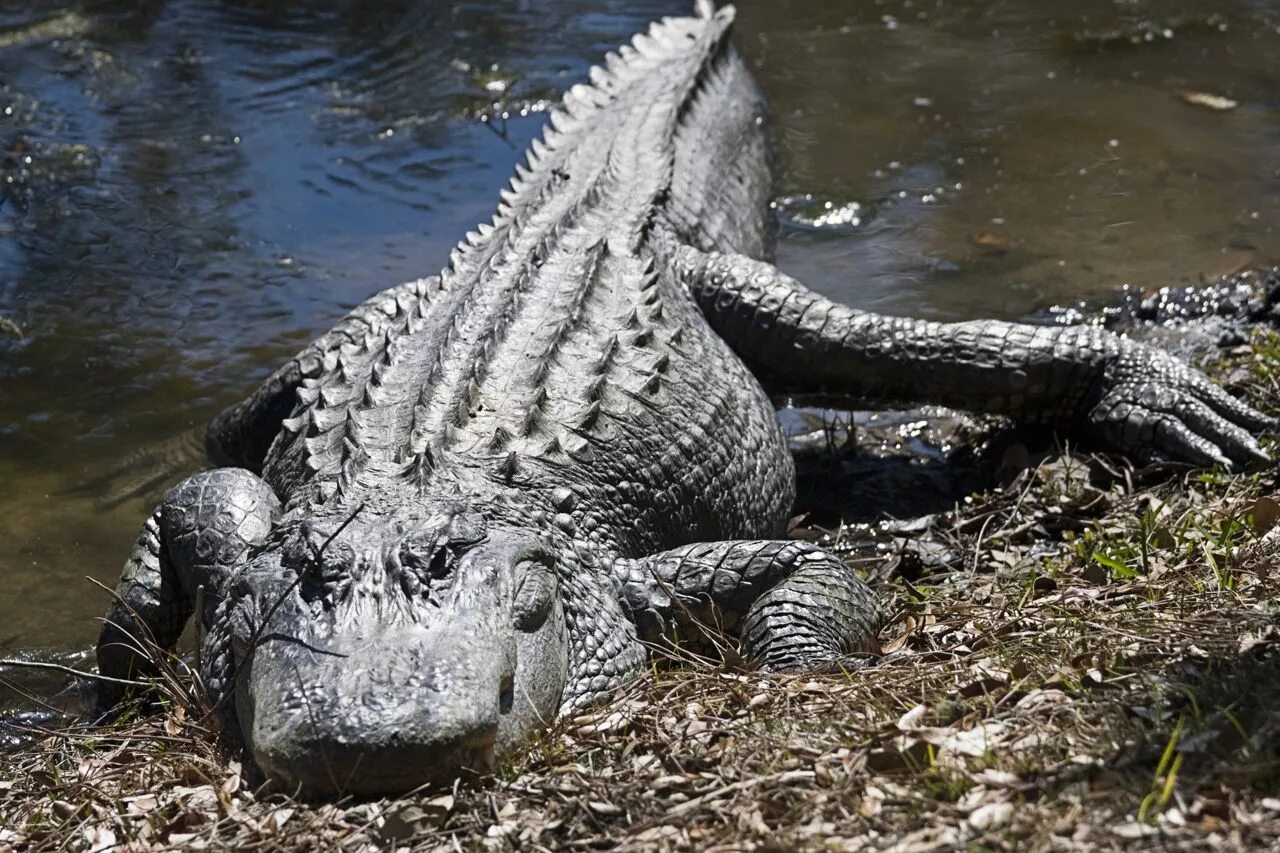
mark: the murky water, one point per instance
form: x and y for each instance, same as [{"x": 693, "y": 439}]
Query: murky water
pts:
[{"x": 190, "y": 189}]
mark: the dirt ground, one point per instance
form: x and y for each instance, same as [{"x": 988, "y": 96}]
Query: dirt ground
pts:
[{"x": 1085, "y": 657}]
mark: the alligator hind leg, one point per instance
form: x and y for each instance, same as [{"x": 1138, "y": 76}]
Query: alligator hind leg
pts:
[
  {"x": 794, "y": 605},
  {"x": 1135, "y": 398},
  {"x": 202, "y": 530}
]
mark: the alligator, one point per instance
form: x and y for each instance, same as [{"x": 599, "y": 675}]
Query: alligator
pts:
[{"x": 470, "y": 507}]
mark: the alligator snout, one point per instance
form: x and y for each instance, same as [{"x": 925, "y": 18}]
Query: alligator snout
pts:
[
  {"x": 327, "y": 768},
  {"x": 382, "y": 715}
]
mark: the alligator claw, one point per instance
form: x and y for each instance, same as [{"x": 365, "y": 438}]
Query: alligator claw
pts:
[{"x": 1147, "y": 400}]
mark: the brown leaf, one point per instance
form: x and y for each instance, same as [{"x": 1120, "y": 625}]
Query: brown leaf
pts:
[
  {"x": 63, "y": 810},
  {"x": 275, "y": 821},
  {"x": 1265, "y": 514}
]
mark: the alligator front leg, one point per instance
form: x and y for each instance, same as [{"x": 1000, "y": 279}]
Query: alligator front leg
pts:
[
  {"x": 794, "y": 605},
  {"x": 197, "y": 536},
  {"x": 1134, "y": 397}
]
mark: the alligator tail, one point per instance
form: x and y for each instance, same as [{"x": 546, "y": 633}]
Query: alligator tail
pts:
[{"x": 146, "y": 472}]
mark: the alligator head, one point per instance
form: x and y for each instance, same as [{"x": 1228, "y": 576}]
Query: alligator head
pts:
[{"x": 369, "y": 658}]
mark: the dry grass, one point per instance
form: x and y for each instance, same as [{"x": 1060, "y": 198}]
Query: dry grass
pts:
[{"x": 1086, "y": 658}]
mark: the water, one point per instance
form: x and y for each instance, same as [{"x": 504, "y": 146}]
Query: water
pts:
[{"x": 191, "y": 189}]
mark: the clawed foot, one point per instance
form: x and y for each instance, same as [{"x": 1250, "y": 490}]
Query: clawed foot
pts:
[{"x": 1147, "y": 400}]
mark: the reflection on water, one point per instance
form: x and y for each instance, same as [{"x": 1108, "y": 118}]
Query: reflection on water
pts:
[{"x": 190, "y": 189}]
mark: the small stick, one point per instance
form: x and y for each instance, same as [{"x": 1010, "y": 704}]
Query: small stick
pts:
[{"x": 57, "y": 667}]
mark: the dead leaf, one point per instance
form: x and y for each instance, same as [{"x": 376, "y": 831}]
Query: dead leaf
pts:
[
  {"x": 140, "y": 804},
  {"x": 275, "y": 821},
  {"x": 63, "y": 810},
  {"x": 911, "y": 719},
  {"x": 991, "y": 816},
  {"x": 402, "y": 824},
  {"x": 99, "y": 837},
  {"x": 1265, "y": 514},
  {"x": 872, "y": 802},
  {"x": 602, "y": 808}
]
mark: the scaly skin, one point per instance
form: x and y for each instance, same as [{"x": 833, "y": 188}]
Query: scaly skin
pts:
[{"x": 457, "y": 515}]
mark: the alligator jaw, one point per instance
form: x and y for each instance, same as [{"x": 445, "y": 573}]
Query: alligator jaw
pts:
[
  {"x": 387, "y": 687},
  {"x": 328, "y": 770}
]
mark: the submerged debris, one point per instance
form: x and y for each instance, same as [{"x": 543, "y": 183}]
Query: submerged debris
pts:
[{"x": 1209, "y": 101}]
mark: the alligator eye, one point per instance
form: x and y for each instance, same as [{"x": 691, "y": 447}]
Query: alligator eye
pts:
[
  {"x": 336, "y": 561},
  {"x": 536, "y": 588},
  {"x": 425, "y": 557},
  {"x": 312, "y": 554}
]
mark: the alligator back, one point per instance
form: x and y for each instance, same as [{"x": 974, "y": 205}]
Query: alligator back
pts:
[{"x": 555, "y": 352}]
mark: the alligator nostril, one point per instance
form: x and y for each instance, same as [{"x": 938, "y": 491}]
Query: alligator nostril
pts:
[{"x": 506, "y": 695}]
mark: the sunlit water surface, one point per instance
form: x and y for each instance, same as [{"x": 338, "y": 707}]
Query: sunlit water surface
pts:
[{"x": 189, "y": 190}]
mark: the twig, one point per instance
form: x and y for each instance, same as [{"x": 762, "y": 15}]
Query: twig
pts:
[{"x": 57, "y": 667}]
